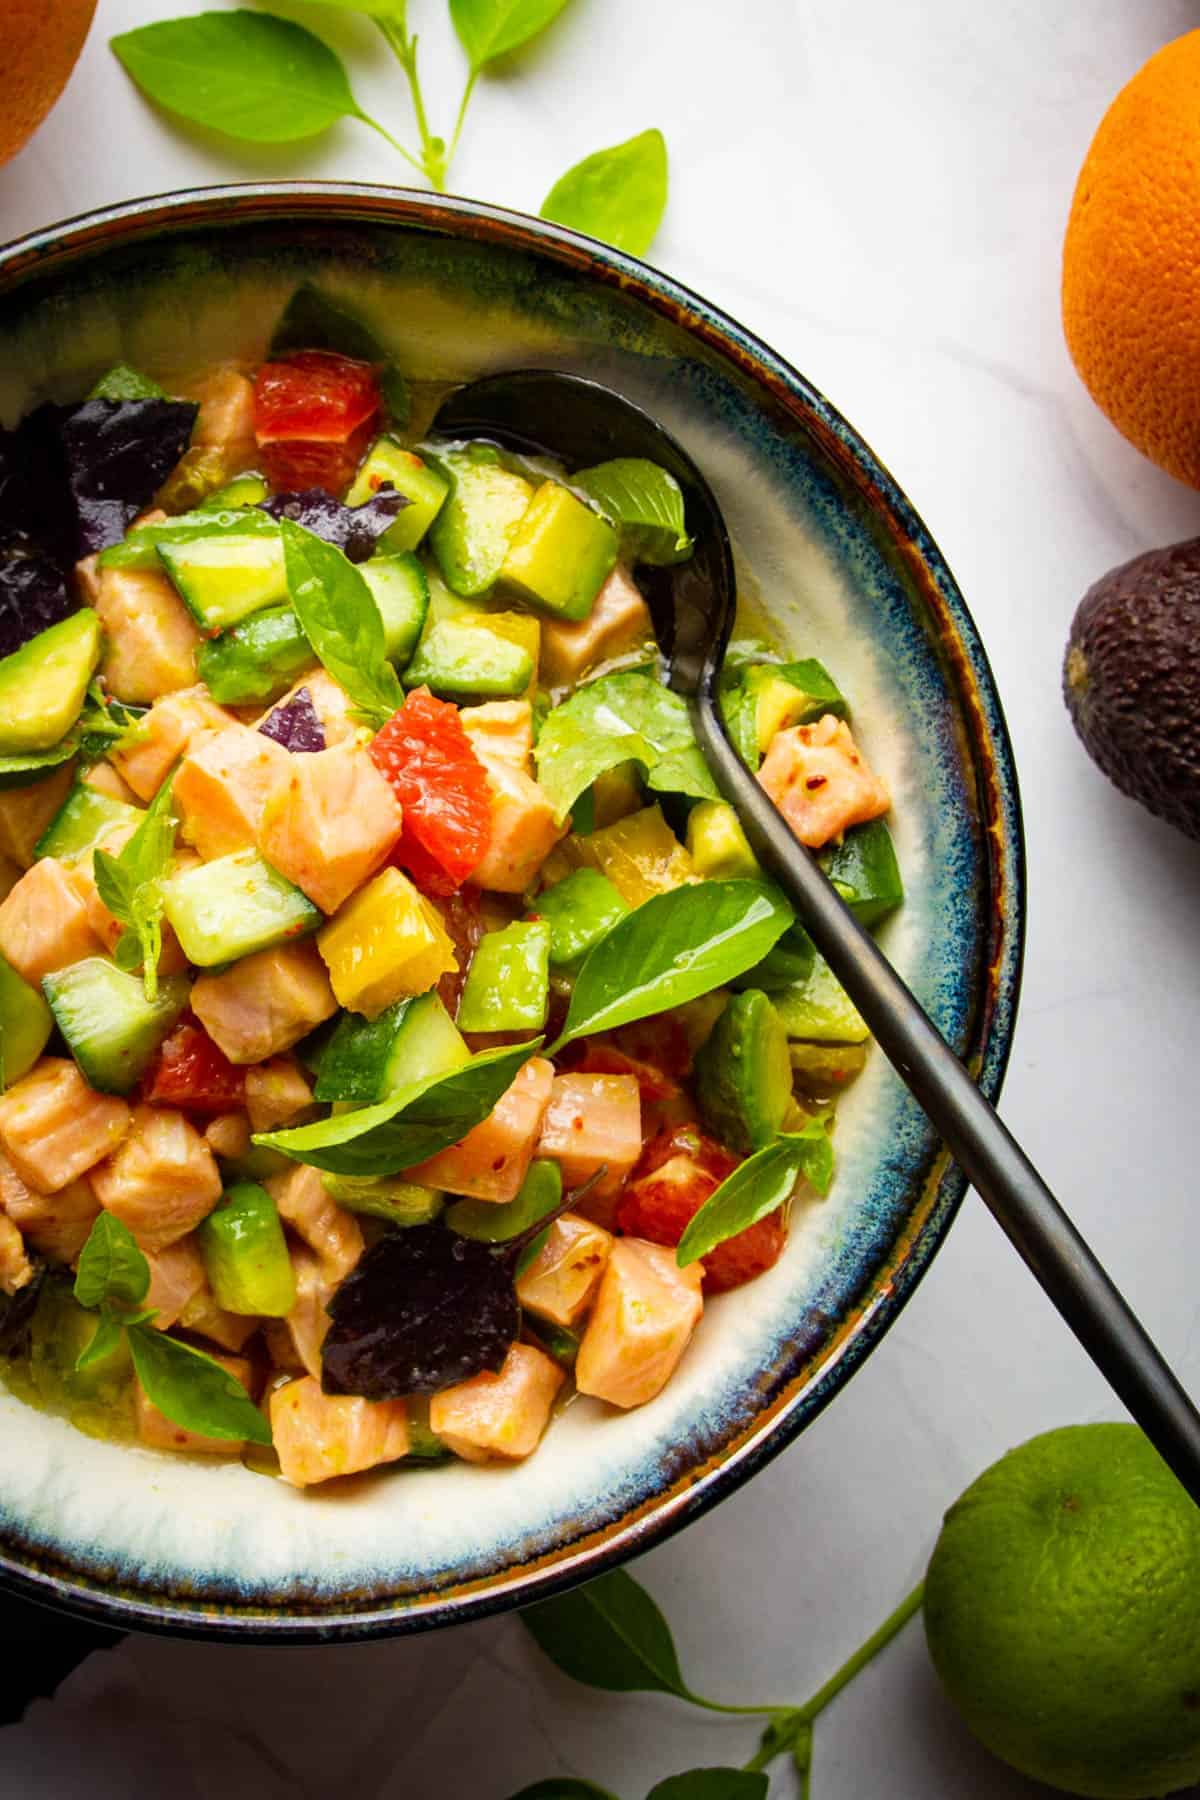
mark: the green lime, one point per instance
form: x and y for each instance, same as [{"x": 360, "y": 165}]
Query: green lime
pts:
[{"x": 1062, "y": 1613}]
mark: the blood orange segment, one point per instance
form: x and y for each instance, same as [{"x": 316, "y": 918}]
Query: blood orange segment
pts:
[
  {"x": 442, "y": 788},
  {"x": 191, "y": 1072},
  {"x": 313, "y": 416},
  {"x": 678, "y": 1172}
]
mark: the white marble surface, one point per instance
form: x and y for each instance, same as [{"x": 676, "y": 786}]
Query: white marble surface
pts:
[{"x": 880, "y": 191}]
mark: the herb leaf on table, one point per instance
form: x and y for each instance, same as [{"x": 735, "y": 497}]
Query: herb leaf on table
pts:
[
  {"x": 341, "y": 621},
  {"x": 488, "y": 29},
  {"x": 609, "y": 1634},
  {"x": 566, "y": 1787},
  {"x": 620, "y": 718},
  {"x": 757, "y": 1187},
  {"x": 618, "y": 194},
  {"x": 712, "y": 1784}
]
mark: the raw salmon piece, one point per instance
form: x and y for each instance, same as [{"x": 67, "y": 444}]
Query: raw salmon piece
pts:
[
  {"x": 162, "y": 1180},
  {"x": 44, "y": 922},
  {"x": 305, "y": 1204},
  {"x": 222, "y": 785},
  {"x": 225, "y": 421},
  {"x": 491, "y": 1162},
  {"x": 177, "y": 1276},
  {"x": 56, "y": 1225},
  {"x": 266, "y": 1003},
  {"x": 169, "y": 729},
  {"x": 277, "y": 1092},
  {"x": 228, "y": 1135},
  {"x": 644, "y": 1316},
  {"x": 25, "y": 813},
  {"x": 593, "y": 1120},
  {"x": 329, "y": 823},
  {"x": 501, "y": 1415},
  {"x": 16, "y": 1270},
  {"x": 319, "y": 1436},
  {"x": 522, "y": 832},
  {"x": 161, "y": 1433},
  {"x": 561, "y": 1281},
  {"x": 54, "y": 1128},
  {"x": 104, "y": 778},
  {"x": 821, "y": 782},
  {"x": 295, "y": 1342},
  {"x": 619, "y": 620},
  {"x": 150, "y": 637},
  {"x": 331, "y": 703},
  {"x": 502, "y": 729}
]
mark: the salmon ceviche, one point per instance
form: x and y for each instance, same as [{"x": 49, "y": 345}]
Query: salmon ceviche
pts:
[{"x": 398, "y": 1036}]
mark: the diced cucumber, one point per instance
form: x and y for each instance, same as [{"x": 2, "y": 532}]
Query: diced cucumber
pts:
[
  {"x": 387, "y": 1197},
  {"x": 558, "y": 1341},
  {"x": 225, "y": 578},
  {"x": 472, "y": 659},
  {"x": 243, "y": 490},
  {"x": 234, "y": 906},
  {"x": 368, "y": 1059},
  {"x": 561, "y": 553},
  {"x": 743, "y": 1075},
  {"x": 42, "y": 685},
  {"x": 580, "y": 909},
  {"x": 85, "y": 816},
  {"x": 111, "y": 1029},
  {"x": 139, "y": 547},
  {"x": 864, "y": 870},
  {"x": 491, "y": 1223},
  {"x": 388, "y": 462},
  {"x": 246, "y": 1254},
  {"x": 25, "y": 1025},
  {"x": 508, "y": 983},
  {"x": 122, "y": 382},
  {"x": 402, "y": 596},
  {"x": 820, "y": 1009},
  {"x": 471, "y": 535},
  {"x": 256, "y": 660},
  {"x": 823, "y": 1070}
]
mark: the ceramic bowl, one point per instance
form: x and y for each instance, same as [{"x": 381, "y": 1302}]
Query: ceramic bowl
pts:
[{"x": 829, "y": 548}]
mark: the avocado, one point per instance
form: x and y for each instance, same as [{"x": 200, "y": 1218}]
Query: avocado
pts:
[
  {"x": 717, "y": 844},
  {"x": 1131, "y": 683},
  {"x": 744, "y": 1073},
  {"x": 42, "y": 684}
]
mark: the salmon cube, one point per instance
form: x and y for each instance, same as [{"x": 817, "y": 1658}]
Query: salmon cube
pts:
[
  {"x": 222, "y": 785},
  {"x": 105, "y": 780},
  {"x": 225, "y": 421},
  {"x": 53, "y": 1128},
  {"x": 821, "y": 782},
  {"x": 319, "y": 1436},
  {"x": 161, "y": 1433},
  {"x": 522, "y": 832},
  {"x": 56, "y": 1225},
  {"x": 150, "y": 638},
  {"x": 385, "y": 943},
  {"x": 305, "y": 1204},
  {"x": 593, "y": 1120},
  {"x": 202, "y": 1315},
  {"x": 491, "y": 1162},
  {"x": 561, "y": 1281},
  {"x": 266, "y": 1003},
  {"x": 44, "y": 922},
  {"x": 502, "y": 729},
  {"x": 228, "y": 1135},
  {"x": 162, "y": 1180},
  {"x": 502, "y": 1415},
  {"x": 276, "y": 1092},
  {"x": 177, "y": 1276},
  {"x": 25, "y": 813},
  {"x": 295, "y": 1342},
  {"x": 331, "y": 703},
  {"x": 168, "y": 730},
  {"x": 16, "y": 1270},
  {"x": 329, "y": 823},
  {"x": 82, "y": 876},
  {"x": 619, "y": 621},
  {"x": 641, "y": 1323}
]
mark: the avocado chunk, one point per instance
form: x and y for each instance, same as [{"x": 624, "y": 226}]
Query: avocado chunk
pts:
[
  {"x": 580, "y": 910},
  {"x": 387, "y": 1197},
  {"x": 111, "y": 1029},
  {"x": 771, "y": 697},
  {"x": 717, "y": 844},
  {"x": 256, "y": 660},
  {"x": 864, "y": 870},
  {"x": 819, "y": 1008},
  {"x": 85, "y": 816},
  {"x": 401, "y": 593},
  {"x": 25, "y": 1025},
  {"x": 1131, "y": 685},
  {"x": 368, "y": 1059},
  {"x": 508, "y": 984},
  {"x": 743, "y": 1073},
  {"x": 234, "y": 906},
  {"x": 246, "y": 1254},
  {"x": 469, "y": 657},
  {"x": 492, "y": 1223},
  {"x": 243, "y": 490},
  {"x": 42, "y": 685},
  {"x": 472, "y": 532},
  {"x": 389, "y": 464},
  {"x": 561, "y": 554},
  {"x": 823, "y": 1070}
]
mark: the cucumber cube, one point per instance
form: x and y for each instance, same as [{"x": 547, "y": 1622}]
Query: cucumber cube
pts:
[
  {"x": 508, "y": 984},
  {"x": 580, "y": 909},
  {"x": 111, "y": 1029},
  {"x": 246, "y": 1254},
  {"x": 226, "y": 577},
  {"x": 243, "y": 490},
  {"x": 85, "y": 816},
  {"x": 25, "y": 1025},
  {"x": 257, "y": 660},
  {"x": 234, "y": 906},
  {"x": 461, "y": 657},
  {"x": 561, "y": 554},
  {"x": 368, "y": 1059},
  {"x": 864, "y": 870},
  {"x": 401, "y": 593},
  {"x": 388, "y": 462}
]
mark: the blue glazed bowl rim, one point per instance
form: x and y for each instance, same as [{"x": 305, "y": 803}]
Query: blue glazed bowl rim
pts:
[{"x": 58, "y": 246}]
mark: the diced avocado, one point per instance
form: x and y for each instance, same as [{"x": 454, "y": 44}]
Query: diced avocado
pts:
[
  {"x": 122, "y": 382},
  {"x": 234, "y": 906},
  {"x": 561, "y": 554},
  {"x": 823, "y": 1070},
  {"x": 111, "y": 1029},
  {"x": 257, "y": 660},
  {"x": 25, "y": 1025},
  {"x": 492, "y": 1223},
  {"x": 471, "y": 534},
  {"x": 508, "y": 983},
  {"x": 42, "y": 685},
  {"x": 246, "y": 1254},
  {"x": 402, "y": 596},
  {"x": 368, "y": 1059},
  {"x": 558, "y": 1341},
  {"x": 717, "y": 844},
  {"x": 743, "y": 1074},
  {"x": 788, "y": 962},
  {"x": 243, "y": 490},
  {"x": 819, "y": 1008},
  {"x": 580, "y": 909},
  {"x": 387, "y": 1197},
  {"x": 85, "y": 816},
  {"x": 470, "y": 658},
  {"x": 423, "y": 1445},
  {"x": 257, "y": 1163},
  {"x": 389, "y": 463},
  {"x": 864, "y": 870},
  {"x": 771, "y": 697},
  {"x": 226, "y": 577},
  {"x": 33, "y": 766}
]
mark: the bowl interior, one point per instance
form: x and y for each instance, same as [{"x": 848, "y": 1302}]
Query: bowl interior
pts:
[{"x": 829, "y": 553}]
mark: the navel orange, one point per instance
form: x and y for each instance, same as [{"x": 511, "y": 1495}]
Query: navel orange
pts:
[{"x": 39, "y": 43}]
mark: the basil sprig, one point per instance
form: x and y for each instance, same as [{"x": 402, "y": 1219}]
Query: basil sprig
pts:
[
  {"x": 618, "y": 194},
  {"x": 626, "y": 717},
  {"x": 112, "y": 1267},
  {"x": 757, "y": 1187},
  {"x": 130, "y": 885},
  {"x": 341, "y": 621}
]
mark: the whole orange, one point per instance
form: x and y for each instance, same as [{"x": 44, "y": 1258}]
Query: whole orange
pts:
[
  {"x": 40, "y": 41},
  {"x": 1131, "y": 261}
]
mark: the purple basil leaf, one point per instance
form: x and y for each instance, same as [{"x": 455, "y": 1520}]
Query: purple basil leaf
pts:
[
  {"x": 95, "y": 466},
  {"x": 422, "y": 1310},
  {"x": 33, "y": 592},
  {"x": 16, "y": 504},
  {"x": 355, "y": 530},
  {"x": 296, "y": 724}
]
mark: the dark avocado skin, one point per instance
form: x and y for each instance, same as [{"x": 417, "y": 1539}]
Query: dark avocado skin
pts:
[{"x": 1131, "y": 680}]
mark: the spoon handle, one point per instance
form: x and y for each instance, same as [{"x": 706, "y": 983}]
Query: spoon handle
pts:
[{"x": 977, "y": 1138}]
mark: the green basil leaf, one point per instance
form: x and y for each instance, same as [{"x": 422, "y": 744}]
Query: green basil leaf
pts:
[
  {"x": 712, "y": 1784},
  {"x": 111, "y": 1266},
  {"x": 248, "y": 74},
  {"x": 618, "y": 195},
  {"x": 411, "y": 1125},
  {"x": 130, "y": 885},
  {"x": 102, "y": 1343},
  {"x": 674, "y": 947},
  {"x": 193, "y": 1390},
  {"x": 341, "y": 620},
  {"x": 312, "y": 321},
  {"x": 645, "y": 502},
  {"x": 757, "y": 1186},
  {"x": 609, "y": 1634},
  {"x": 106, "y": 724},
  {"x": 620, "y": 718},
  {"x": 491, "y": 28},
  {"x": 566, "y": 1787}
]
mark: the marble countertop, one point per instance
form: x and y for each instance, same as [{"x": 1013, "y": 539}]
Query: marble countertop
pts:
[{"x": 880, "y": 192}]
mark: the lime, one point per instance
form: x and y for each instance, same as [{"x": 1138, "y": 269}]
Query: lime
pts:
[{"x": 1062, "y": 1613}]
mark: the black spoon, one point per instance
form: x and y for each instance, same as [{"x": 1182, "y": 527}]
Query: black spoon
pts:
[{"x": 580, "y": 423}]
